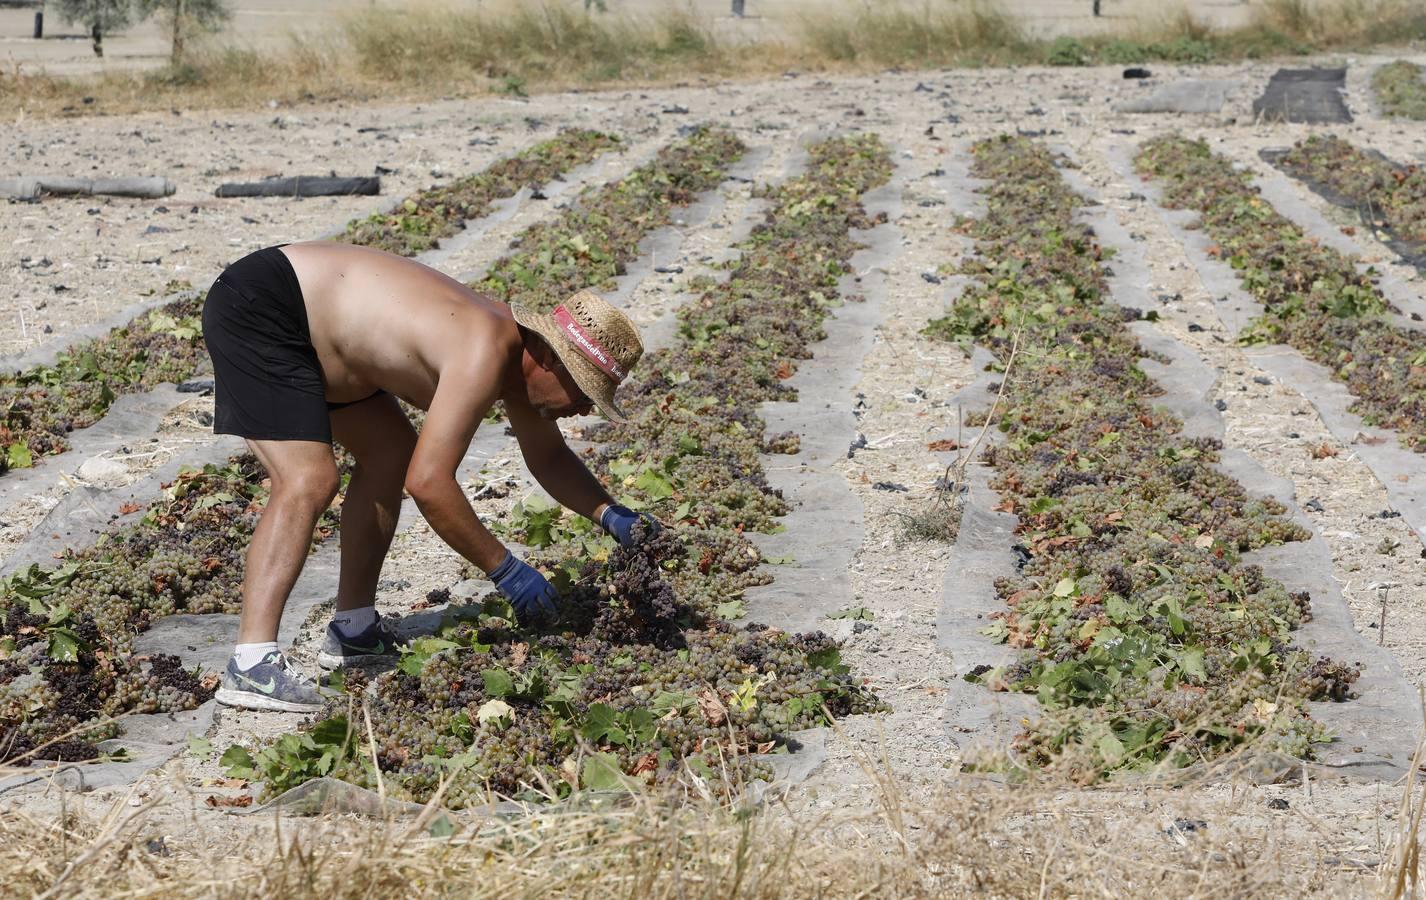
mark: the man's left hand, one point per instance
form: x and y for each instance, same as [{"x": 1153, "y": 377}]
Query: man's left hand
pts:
[{"x": 620, "y": 521}]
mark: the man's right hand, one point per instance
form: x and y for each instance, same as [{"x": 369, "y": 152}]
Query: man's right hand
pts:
[{"x": 527, "y": 590}]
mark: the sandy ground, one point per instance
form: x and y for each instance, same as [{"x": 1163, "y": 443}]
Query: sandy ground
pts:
[
  {"x": 65, "y": 49},
  {"x": 102, "y": 251}
]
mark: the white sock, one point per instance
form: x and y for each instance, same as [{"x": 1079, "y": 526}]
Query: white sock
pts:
[
  {"x": 352, "y": 622},
  {"x": 249, "y": 655}
]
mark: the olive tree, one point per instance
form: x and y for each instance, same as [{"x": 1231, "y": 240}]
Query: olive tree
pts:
[
  {"x": 184, "y": 18},
  {"x": 101, "y": 17}
]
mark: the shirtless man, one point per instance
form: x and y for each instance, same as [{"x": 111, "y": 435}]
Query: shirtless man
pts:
[{"x": 315, "y": 342}]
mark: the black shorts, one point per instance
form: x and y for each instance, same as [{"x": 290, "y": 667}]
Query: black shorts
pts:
[{"x": 268, "y": 382}]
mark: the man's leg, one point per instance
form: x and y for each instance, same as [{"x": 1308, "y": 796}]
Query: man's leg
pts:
[
  {"x": 377, "y": 433},
  {"x": 304, "y": 481}
]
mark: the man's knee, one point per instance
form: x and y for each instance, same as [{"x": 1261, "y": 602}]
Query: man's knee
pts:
[{"x": 312, "y": 489}]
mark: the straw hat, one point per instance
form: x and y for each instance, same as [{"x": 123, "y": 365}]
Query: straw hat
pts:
[{"x": 595, "y": 342}]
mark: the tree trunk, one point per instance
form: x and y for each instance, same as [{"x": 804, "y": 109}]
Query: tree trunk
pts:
[
  {"x": 179, "y": 22},
  {"x": 98, "y": 37}
]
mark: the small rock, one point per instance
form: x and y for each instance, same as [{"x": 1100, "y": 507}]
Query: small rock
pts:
[
  {"x": 1195, "y": 327},
  {"x": 892, "y": 486},
  {"x": 157, "y": 847},
  {"x": 856, "y": 445},
  {"x": 99, "y": 468},
  {"x": 675, "y": 110},
  {"x": 468, "y": 589},
  {"x": 1220, "y": 404},
  {"x": 1137, "y": 72},
  {"x": 1277, "y": 803},
  {"x": 931, "y": 277},
  {"x": 860, "y": 627},
  {"x": 1185, "y": 826},
  {"x": 668, "y": 270},
  {"x": 1262, "y": 379},
  {"x": 1314, "y": 505}
]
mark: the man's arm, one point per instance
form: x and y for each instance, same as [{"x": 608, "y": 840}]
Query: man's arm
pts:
[
  {"x": 462, "y": 399},
  {"x": 558, "y": 469}
]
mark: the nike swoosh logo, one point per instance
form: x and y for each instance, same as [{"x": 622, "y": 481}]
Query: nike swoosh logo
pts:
[{"x": 265, "y": 688}]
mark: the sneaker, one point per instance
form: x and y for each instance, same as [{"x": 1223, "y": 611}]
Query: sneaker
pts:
[
  {"x": 272, "y": 684},
  {"x": 377, "y": 643}
]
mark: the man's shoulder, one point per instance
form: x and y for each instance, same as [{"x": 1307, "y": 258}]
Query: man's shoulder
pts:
[{"x": 476, "y": 334}]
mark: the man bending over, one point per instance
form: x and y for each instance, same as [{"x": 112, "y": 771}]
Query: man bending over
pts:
[{"x": 315, "y": 342}]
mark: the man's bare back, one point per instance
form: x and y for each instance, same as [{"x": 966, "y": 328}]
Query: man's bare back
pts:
[{"x": 383, "y": 322}]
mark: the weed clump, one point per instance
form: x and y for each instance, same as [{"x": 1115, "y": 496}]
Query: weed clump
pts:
[{"x": 1401, "y": 89}]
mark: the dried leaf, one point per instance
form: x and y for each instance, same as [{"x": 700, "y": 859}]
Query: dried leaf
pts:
[
  {"x": 518, "y": 654},
  {"x": 239, "y": 802},
  {"x": 713, "y": 709}
]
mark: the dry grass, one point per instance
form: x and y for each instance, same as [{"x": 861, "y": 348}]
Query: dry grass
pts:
[
  {"x": 973, "y": 838},
  {"x": 426, "y": 51},
  {"x": 974, "y": 33}
]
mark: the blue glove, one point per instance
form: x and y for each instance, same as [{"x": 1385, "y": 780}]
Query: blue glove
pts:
[
  {"x": 527, "y": 590},
  {"x": 619, "y": 521}
]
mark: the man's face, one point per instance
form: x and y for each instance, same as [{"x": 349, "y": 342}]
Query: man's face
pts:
[{"x": 555, "y": 394}]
